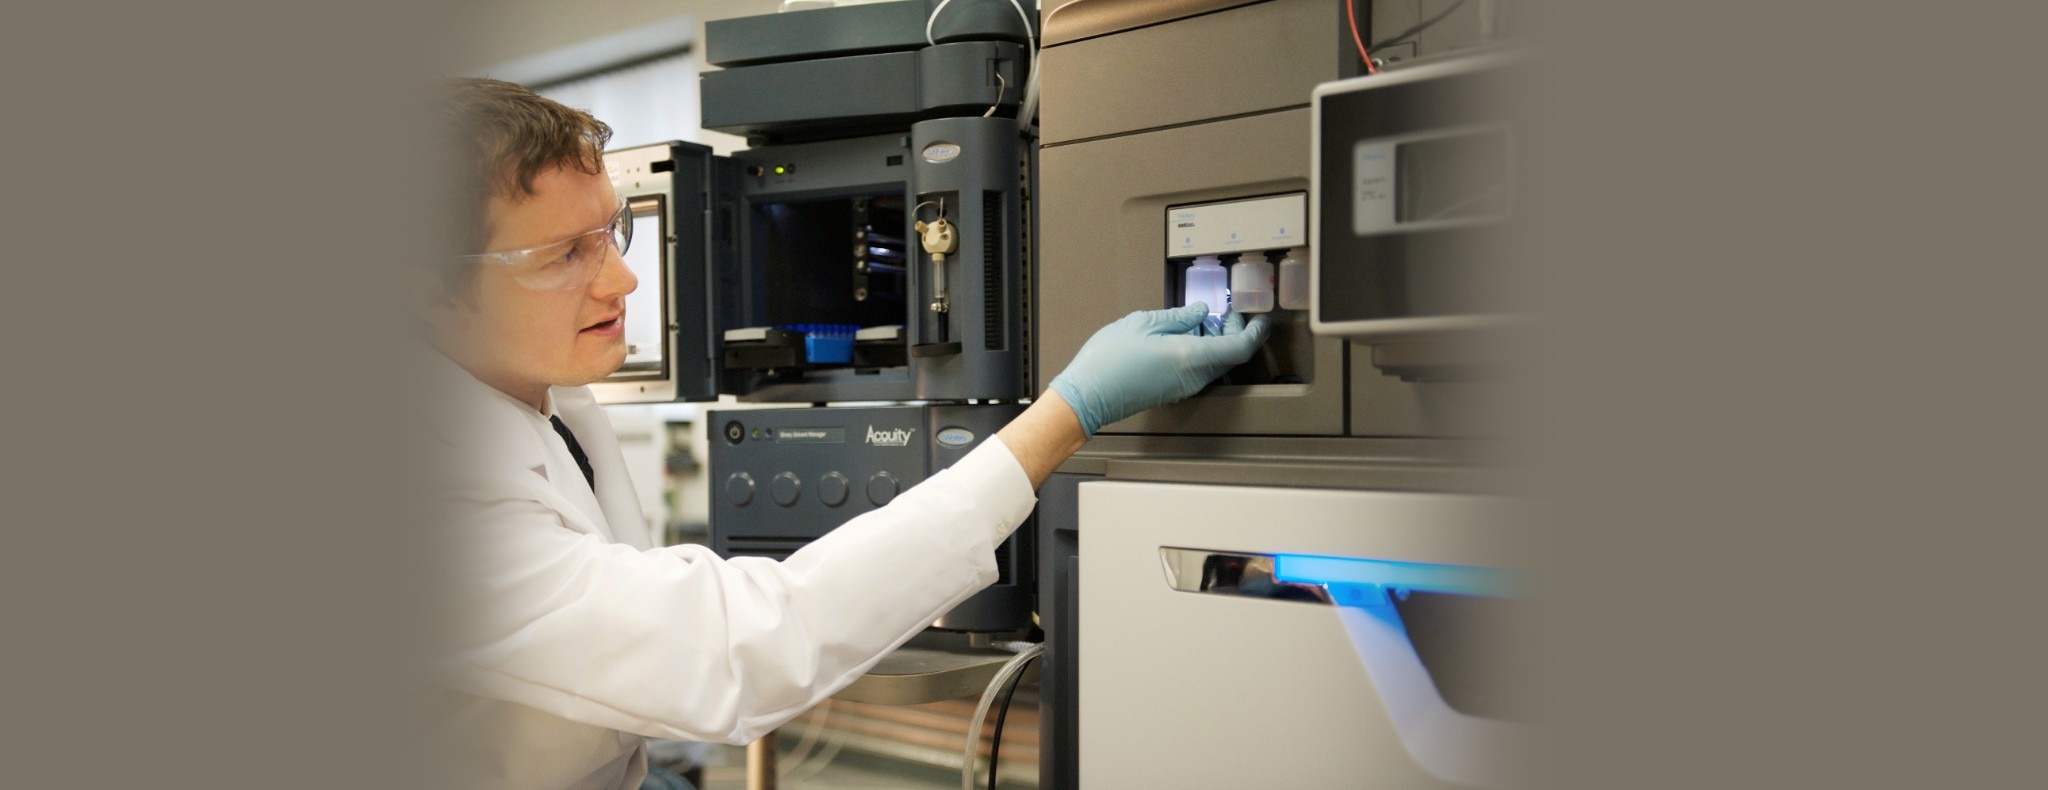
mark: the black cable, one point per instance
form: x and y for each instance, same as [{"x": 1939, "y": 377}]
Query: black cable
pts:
[
  {"x": 995, "y": 740},
  {"x": 1423, "y": 25}
]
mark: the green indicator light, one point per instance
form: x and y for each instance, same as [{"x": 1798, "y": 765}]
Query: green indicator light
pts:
[{"x": 778, "y": 170}]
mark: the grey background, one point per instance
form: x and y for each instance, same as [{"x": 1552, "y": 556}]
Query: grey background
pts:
[
  {"x": 210, "y": 578},
  {"x": 1787, "y": 418}
]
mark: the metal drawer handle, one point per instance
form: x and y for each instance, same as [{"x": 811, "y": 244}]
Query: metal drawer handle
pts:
[{"x": 1325, "y": 580}]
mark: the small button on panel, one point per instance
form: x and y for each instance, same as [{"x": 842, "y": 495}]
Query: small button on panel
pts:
[
  {"x": 882, "y": 488},
  {"x": 785, "y": 488},
  {"x": 739, "y": 489},
  {"x": 832, "y": 489}
]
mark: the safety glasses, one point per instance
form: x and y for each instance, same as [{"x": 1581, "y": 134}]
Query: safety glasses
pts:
[{"x": 567, "y": 264}]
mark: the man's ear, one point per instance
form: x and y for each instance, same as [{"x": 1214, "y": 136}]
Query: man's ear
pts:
[{"x": 442, "y": 302}]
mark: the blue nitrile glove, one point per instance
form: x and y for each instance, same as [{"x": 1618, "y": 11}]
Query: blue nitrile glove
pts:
[{"x": 1148, "y": 358}]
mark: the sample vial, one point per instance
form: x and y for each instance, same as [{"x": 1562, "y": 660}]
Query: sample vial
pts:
[
  {"x": 1251, "y": 283},
  {"x": 1293, "y": 280},
  {"x": 1207, "y": 282}
]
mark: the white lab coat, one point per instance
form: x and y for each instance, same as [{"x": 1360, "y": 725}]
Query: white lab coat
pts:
[{"x": 575, "y": 639}]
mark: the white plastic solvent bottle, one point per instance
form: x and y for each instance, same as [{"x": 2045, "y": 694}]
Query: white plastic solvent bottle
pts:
[
  {"x": 1251, "y": 283},
  {"x": 1293, "y": 279},
  {"x": 1207, "y": 282}
]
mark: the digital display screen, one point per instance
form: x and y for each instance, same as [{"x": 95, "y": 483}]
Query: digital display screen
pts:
[
  {"x": 1456, "y": 177},
  {"x": 1426, "y": 170},
  {"x": 646, "y": 342}
]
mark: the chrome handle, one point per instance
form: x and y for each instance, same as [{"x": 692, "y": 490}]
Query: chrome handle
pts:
[
  {"x": 1309, "y": 578},
  {"x": 1234, "y": 574}
]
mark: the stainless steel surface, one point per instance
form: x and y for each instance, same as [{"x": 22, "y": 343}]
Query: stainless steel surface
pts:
[
  {"x": 1079, "y": 19},
  {"x": 1254, "y": 58},
  {"x": 1393, "y": 464},
  {"x": 1439, "y": 389},
  {"x": 915, "y": 676},
  {"x": 1466, "y": 27},
  {"x": 1386, "y": 477}
]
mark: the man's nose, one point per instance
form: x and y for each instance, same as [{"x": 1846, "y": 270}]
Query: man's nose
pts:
[{"x": 614, "y": 279}]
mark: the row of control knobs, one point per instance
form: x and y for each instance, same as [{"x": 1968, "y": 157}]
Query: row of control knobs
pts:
[{"x": 786, "y": 488}]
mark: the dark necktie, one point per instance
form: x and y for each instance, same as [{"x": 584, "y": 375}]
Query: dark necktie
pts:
[{"x": 576, "y": 451}]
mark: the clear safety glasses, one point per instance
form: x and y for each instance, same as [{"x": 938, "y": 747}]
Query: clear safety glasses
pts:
[{"x": 567, "y": 264}]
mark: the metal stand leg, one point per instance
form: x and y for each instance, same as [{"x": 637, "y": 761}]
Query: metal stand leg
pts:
[{"x": 761, "y": 763}]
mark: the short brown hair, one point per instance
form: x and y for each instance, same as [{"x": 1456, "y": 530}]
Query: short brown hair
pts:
[{"x": 501, "y": 136}]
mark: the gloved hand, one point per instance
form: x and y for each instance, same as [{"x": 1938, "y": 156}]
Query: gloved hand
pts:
[{"x": 1148, "y": 359}]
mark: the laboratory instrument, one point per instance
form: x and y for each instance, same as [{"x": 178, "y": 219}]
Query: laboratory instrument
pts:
[
  {"x": 1191, "y": 627},
  {"x": 782, "y": 478},
  {"x": 873, "y": 244},
  {"x": 1414, "y": 199},
  {"x": 776, "y": 258},
  {"x": 1354, "y": 639}
]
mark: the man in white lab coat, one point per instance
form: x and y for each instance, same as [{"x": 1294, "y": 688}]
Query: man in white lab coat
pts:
[{"x": 576, "y": 639}]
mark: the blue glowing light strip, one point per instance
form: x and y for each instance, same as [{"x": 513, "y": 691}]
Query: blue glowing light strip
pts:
[{"x": 1420, "y": 576}]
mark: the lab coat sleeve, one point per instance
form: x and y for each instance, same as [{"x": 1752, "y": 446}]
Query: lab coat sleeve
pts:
[{"x": 677, "y": 643}]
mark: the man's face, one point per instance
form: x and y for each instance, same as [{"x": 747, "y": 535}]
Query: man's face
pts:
[{"x": 522, "y": 340}]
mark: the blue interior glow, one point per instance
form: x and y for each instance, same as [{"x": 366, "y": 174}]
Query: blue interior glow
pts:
[{"x": 1392, "y": 574}]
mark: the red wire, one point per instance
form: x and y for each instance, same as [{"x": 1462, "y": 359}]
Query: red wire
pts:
[{"x": 1351, "y": 15}]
